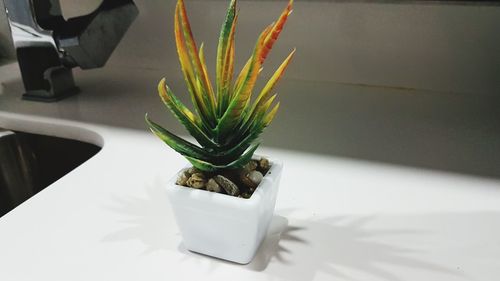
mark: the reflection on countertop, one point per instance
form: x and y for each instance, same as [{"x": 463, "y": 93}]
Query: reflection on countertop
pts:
[{"x": 451, "y": 132}]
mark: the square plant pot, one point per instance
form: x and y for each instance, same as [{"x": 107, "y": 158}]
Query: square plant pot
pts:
[{"x": 224, "y": 226}]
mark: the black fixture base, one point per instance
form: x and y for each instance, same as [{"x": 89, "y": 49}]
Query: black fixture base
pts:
[
  {"x": 45, "y": 78},
  {"x": 45, "y": 96}
]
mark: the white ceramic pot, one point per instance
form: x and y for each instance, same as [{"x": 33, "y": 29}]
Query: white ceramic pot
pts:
[{"x": 224, "y": 226}]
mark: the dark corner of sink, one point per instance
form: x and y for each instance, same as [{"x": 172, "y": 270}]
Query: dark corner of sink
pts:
[{"x": 30, "y": 162}]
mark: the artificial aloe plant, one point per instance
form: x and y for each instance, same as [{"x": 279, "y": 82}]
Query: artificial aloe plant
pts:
[{"x": 227, "y": 123}]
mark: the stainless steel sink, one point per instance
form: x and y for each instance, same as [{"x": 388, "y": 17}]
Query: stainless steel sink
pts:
[{"x": 30, "y": 162}]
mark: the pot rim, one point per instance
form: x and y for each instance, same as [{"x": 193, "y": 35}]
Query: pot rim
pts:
[{"x": 204, "y": 195}]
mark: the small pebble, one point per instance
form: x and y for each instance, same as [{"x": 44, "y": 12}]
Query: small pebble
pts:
[
  {"x": 250, "y": 166},
  {"x": 197, "y": 180},
  {"x": 252, "y": 179},
  {"x": 213, "y": 186},
  {"x": 183, "y": 178},
  {"x": 227, "y": 185},
  {"x": 245, "y": 195},
  {"x": 192, "y": 170},
  {"x": 264, "y": 164},
  {"x": 255, "y": 177}
]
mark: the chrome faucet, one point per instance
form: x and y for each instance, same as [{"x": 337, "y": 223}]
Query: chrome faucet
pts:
[{"x": 48, "y": 46}]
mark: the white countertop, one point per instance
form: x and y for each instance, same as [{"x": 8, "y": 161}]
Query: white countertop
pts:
[{"x": 336, "y": 218}]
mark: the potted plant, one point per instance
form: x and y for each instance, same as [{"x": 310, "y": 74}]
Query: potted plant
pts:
[{"x": 224, "y": 203}]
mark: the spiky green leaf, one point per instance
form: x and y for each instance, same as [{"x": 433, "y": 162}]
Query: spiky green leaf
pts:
[
  {"x": 178, "y": 144},
  {"x": 238, "y": 163},
  {"x": 184, "y": 115}
]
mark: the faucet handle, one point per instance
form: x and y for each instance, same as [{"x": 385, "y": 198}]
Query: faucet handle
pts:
[{"x": 88, "y": 41}]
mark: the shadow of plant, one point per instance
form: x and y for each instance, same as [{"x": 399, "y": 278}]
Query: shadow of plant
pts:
[
  {"x": 344, "y": 244},
  {"x": 292, "y": 250},
  {"x": 145, "y": 219}
]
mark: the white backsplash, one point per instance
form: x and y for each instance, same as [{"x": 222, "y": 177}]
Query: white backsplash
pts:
[{"x": 437, "y": 47}]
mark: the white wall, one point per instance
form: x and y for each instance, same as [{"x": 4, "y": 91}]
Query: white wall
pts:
[{"x": 437, "y": 47}]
